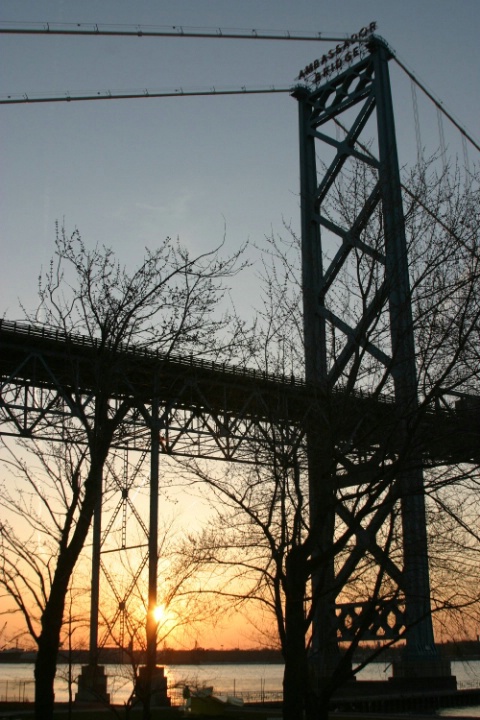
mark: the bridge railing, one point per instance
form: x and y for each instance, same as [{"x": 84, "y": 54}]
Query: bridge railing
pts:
[
  {"x": 450, "y": 398},
  {"x": 82, "y": 341}
]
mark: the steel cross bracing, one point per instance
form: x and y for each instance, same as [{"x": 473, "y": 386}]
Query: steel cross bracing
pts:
[
  {"x": 364, "y": 342},
  {"x": 336, "y": 348},
  {"x": 131, "y": 547}
]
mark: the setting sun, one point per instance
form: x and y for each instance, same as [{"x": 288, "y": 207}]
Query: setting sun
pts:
[{"x": 160, "y": 613}]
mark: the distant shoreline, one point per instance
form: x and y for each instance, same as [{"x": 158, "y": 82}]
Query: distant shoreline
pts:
[
  {"x": 465, "y": 650},
  {"x": 195, "y": 656}
]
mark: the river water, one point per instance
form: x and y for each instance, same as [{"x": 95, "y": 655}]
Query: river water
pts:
[{"x": 251, "y": 681}]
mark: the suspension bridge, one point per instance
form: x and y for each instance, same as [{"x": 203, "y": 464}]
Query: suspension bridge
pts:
[{"x": 186, "y": 407}]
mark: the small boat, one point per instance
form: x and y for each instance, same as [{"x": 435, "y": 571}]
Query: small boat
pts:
[{"x": 204, "y": 702}]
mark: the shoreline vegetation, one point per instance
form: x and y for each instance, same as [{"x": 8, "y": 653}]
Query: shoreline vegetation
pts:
[{"x": 461, "y": 650}]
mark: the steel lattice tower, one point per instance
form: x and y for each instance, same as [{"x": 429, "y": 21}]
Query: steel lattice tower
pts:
[{"x": 363, "y": 93}]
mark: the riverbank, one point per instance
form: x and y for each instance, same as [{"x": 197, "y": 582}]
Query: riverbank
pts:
[{"x": 373, "y": 692}]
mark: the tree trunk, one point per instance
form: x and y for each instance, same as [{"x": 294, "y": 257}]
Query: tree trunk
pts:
[
  {"x": 52, "y": 617},
  {"x": 45, "y": 670},
  {"x": 295, "y": 679},
  {"x": 48, "y": 644}
]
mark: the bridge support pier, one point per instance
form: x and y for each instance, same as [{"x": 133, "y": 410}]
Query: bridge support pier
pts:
[
  {"x": 416, "y": 674},
  {"x": 151, "y": 687},
  {"x": 92, "y": 685}
]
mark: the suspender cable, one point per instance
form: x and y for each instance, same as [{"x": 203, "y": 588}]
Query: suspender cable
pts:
[
  {"x": 416, "y": 117},
  {"x": 438, "y": 104},
  {"x": 441, "y": 134}
]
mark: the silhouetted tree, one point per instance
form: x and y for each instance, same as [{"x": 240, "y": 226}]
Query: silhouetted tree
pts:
[
  {"x": 334, "y": 526},
  {"x": 170, "y": 303}
]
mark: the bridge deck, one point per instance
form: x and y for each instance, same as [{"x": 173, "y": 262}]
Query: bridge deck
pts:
[{"x": 206, "y": 398}]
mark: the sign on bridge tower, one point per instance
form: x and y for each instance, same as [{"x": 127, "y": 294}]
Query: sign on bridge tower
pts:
[{"x": 359, "y": 335}]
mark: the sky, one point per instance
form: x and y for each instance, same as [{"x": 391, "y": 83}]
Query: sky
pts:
[{"x": 128, "y": 173}]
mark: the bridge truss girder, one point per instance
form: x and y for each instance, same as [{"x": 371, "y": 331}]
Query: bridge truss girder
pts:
[{"x": 206, "y": 410}]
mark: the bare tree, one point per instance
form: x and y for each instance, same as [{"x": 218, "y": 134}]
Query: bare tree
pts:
[
  {"x": 170, "y": 303},
  {"x": 326, "y": 547}
]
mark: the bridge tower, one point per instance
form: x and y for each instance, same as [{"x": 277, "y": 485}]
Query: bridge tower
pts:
[{"x": 369, "y": 347}]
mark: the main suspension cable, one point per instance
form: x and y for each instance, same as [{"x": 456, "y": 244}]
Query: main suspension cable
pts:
[
  {"x": 25, "y": 98},
  {"x": 116, "y": 30}
]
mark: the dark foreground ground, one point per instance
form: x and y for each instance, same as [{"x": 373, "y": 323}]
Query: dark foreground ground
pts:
[
  {"x": 105, "y": 714},
  {"x": 24, "y": 711},
  {"x": 361, "y": 701}
]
